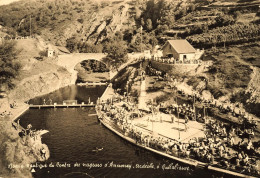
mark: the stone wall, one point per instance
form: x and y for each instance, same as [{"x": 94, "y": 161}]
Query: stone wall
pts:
[{"x": 181, "y": 69}]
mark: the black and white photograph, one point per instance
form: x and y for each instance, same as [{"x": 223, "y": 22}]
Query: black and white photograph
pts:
[{"x": 129, "y": 88}]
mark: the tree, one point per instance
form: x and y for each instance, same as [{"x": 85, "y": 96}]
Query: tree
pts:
[
  {"x": 138, "y": 13},
  {"x": 128, "y": 35},
  {"x": 224, "y": 20},
  {"x": 161, "y": 29},
  {"x": 192, "y": 7},
  {"x": 237, "y": 14},
  {"x": 142, "y": 22},
  {"x": 71, "y": 44},
  {"x": 149, "y": 24},
  {"x": 116, "y": 52},
  {"x": 9, "y": 67},
  {"x": 153, "y": 41},
  {"x": 90, "y": 48}
]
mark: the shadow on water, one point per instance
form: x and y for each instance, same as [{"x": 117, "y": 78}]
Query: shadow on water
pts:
[{"x": 73, "y": 92}]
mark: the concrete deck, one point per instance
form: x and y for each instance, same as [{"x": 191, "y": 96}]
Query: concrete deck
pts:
[{"x": 168, "y": 129}]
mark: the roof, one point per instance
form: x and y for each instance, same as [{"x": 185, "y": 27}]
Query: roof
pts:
[{"x": 181, "y": 46}]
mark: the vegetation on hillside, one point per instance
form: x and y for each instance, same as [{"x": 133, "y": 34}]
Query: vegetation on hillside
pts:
[
  {"x": 228, "y": 34},
  {"x": 41, "y": 14},
  {"x": 74, "y": 45},
  {"x": 9, "y": 66}
]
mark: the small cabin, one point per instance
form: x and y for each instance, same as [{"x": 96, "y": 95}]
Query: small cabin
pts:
[
  {"x": 180, "y": 50},
  {"x": 50, "y": 53},
  {"x": 147, "y": 54}
]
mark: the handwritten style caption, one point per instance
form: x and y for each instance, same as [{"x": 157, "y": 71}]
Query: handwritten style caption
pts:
[{"x": 110, "y": 164}]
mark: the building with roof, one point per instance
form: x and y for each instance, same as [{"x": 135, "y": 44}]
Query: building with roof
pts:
[
  {"x": 180, "y": 50},
  {"x": 50, "y": 53}
]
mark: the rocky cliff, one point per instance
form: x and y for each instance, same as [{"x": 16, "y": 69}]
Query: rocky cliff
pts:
[{"x": 41, "y": 84}]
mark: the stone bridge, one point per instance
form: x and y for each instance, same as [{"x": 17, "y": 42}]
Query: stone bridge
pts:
[{"x": 69, "y": 61}]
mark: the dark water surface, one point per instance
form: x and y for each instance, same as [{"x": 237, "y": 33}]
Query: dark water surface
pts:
[{"x": 75, "y": 132}]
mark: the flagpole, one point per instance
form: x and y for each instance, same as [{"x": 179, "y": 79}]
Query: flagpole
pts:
[
  {"x": 30, "y": 26},
  {"x": 141, "y": 38},
  {"x": 178, "y": 115}
]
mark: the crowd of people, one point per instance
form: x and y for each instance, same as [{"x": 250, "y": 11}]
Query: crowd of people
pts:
[
  {"x": 225, "y": 108},
  {"x": 171, "y": 60},
  {"x": 217, "y": 148},
  {"x": 34, "y": 135}
]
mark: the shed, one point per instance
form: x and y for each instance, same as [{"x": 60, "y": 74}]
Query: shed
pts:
[
  {"x": 181, "y": 50},
  {"x": 50, "y": 53}
]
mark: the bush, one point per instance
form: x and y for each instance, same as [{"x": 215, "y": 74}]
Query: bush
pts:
[{"x": 80, "y": 21}]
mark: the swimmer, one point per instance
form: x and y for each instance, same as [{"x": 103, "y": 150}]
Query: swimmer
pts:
[{"x": 98, "y": 149}]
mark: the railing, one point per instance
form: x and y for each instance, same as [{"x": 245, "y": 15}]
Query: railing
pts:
[
  {"x": 16, "y": 38},
  {"x": 175, "y": 61}
]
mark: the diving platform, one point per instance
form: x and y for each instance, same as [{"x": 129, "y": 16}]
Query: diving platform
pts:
[
  {"x": 65, "y": 104},
  {"x": 92, "y": 83},
  {"x": 61, "y": 106}
]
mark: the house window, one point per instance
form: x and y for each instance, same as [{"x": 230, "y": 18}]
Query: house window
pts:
[
  {"x": 169, "y": 55},
  {"x": 184, "y": 56}
]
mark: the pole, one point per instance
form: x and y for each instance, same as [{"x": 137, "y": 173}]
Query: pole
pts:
[
  {"x": 194, "y": 108},
  {"x": 141, "y": 38},
  {"x": 152, "y": 126},
  {"x": 204, "y": 110},
  {"x": 30, "y": 25},
  {"x": 178, "y": 118},
  {"x": 178, "y": 122}
]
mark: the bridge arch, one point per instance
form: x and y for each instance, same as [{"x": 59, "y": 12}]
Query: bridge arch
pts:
[
  {"x": 69, "y": 61},
  {"x": 99, "y": 63}
]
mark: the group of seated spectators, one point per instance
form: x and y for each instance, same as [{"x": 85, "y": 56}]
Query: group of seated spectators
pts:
[
  {"x": 5, "y": 113},
  {"x": 217, "y": 148},
  {"x": 8, "y": 112},
  {"x": 184, "y": 111},
  {"x": 225, "y": 108}
]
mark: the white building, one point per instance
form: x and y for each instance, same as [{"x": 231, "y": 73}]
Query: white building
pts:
[
  {"x": 180, "y": 50},
  {"x": 50, "y": 53}
]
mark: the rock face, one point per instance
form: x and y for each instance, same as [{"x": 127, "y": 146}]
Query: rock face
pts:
[
  {"x": 98, "y": 23},
  {"x": 41, "y": 84},
  {"x": 253, "y": 86}
]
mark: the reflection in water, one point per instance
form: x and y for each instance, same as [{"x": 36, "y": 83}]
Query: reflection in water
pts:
[
  {"x": 75, "y": 132},
  {"x": 73, "y": 92}
]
